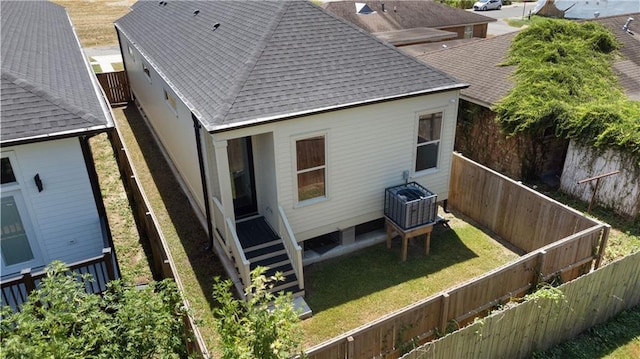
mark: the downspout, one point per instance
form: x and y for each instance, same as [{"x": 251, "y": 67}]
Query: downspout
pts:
[
  {"x": 97, "y": 195},
  {"x": 203, "y": 178}
]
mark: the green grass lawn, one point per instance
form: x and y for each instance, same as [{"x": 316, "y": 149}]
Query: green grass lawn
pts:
[
  {"x": 96, "y": 68},
  {"x": 347, "y": 292},
  {"x": 133, "y": 255},
  {"x": 619, "y": 338}
]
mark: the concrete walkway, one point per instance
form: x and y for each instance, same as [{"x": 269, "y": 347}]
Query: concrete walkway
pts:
[{"x": 104, "y": 56}]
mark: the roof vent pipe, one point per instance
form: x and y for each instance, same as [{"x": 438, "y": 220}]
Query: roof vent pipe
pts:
[
  {"x": 215, "y": 26},
  {"x": 383, "y": 10},
  {"x": 196, "y": 12},
  {"x": 625, "y": 27}
]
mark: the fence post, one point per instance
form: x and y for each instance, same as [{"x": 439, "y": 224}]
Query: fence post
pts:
[
  {"x": 350, "y": 348},
  {"x": 29, "y": 283},
  {"x": 108, "y": 261},
  {"x": 603, "y": 245},
  {"x": 443, "y": 313},
  {"x": 537, "y": 273}
]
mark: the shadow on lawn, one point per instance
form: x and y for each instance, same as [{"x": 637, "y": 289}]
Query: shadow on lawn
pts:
[
  {"x": 337, "y": 281},
  {"x": 193, "y": 237}
]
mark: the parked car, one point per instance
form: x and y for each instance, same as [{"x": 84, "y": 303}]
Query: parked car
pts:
[{"x": 485, "y": 5}]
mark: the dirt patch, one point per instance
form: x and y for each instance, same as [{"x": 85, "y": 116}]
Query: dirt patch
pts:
[{"x": 94, "y": 19}]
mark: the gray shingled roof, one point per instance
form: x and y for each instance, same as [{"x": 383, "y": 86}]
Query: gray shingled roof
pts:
[
  {"x": 477, "y": 63},
  {"x": 47, "y": 87},
  {"x": 269, "y": 60},
  {"x": 407, "y": 15}
]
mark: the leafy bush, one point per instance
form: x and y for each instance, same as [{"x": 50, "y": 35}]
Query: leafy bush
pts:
[
  {"x": 61, "y": 320},
  {"x": 565, "y": 83},
  {"x": 265, "y": 326}
]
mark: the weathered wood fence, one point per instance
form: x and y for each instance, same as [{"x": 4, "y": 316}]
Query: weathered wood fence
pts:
[
  {"x": 163, "y": 264},
  {"x": 518, "y": 214},
  {"x": 538, "y": 325},
  {"x": 561, "y": 259},
  {"x": 115, "y": 86}
]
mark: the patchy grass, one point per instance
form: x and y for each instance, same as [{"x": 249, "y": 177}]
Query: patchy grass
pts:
[
  {"x": 183, "y": 232},
  {"x": 619, "y": 338},
  {"x": 347, "y": 292},
  {"x": 624, "y": 238},
  {"x": 96, "y": 68},
  {"x": 132, "y": 254},
  {"x": 94, "y": 19},
  {"x": 117, "y": 66}
]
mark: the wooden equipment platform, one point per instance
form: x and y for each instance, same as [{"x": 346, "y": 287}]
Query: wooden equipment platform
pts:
[{"x": 392, "y": 228}]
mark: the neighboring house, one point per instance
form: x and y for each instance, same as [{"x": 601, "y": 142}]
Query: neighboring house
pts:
[
  {"x": 572, "y": 9},
  {"x": 478, "y": 136},
  {"x": 51, "y": 104},
  {"x": 411, "y": 22},
  {"x": 285, "y": 121}
]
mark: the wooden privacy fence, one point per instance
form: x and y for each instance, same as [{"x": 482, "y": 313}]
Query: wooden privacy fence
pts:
[
  {"x": 562, "y": 259},
  {"x": 539, "y": 325},
  {"x": 162, "y": 262},
  {"x": 518, "y": 214},
  {"x": 115, "y": 86}
]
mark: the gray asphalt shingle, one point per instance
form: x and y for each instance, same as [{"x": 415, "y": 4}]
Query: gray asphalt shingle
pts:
[
  {"x": 47, "y": 87},
  {"x": 269, "y": 59}
]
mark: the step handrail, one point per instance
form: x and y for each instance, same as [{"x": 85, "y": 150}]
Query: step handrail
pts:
[
  {"x": 291, "y": 245},
  {"x": 238, "y": 253}
]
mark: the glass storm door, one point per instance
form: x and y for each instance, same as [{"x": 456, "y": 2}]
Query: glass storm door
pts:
[
  {"x": 17, "y": 242},
  {"x": 243, "y": 183}
]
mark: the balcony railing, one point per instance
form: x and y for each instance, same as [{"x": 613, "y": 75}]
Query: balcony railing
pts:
[{"x": 15, "y": 291}]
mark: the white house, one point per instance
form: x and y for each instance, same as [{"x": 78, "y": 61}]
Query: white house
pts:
[
  {"x": 51, "y": 104},
  {"x": 285, "y": 122}
]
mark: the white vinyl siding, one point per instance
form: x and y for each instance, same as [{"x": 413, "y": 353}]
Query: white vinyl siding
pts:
[
  {"x": 370, "y": 147},
  {"x": 64, "y": 215},
  {"x": 173, "y": 128}
]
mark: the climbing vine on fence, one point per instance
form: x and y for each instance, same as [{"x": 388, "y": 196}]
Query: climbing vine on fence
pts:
[{"x": 565, "y": 83}]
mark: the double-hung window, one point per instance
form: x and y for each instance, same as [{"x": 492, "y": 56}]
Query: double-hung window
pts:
[
  {"x": 428, "y": 142},
  {"x": 311, "y": 167}
]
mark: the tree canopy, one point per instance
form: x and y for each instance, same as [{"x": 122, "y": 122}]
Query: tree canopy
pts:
[{"x": 564, "y": 82}]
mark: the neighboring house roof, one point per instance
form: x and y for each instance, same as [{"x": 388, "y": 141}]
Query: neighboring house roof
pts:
[
  {"x": 47, "y": 87},
  {"x": 416, "y": 35},
  {"x": 573, "y": 9},
  {"x": 404, "y": 14},
  {"x": 478, "y": 63},
  {"x": 269, "y": 60}
]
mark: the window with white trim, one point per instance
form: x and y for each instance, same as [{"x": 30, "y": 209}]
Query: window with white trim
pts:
[
  {"x": 428, "y": 142},
  {"x": 311, "y": 167}
]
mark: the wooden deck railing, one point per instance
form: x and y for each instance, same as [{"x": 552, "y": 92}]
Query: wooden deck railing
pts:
[
  {"x": 16, "y": 290},
  {"x": 291, "y": 245}
]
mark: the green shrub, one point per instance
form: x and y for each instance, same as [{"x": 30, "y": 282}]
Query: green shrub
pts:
[
  {"x": 564, "y": 82},
  {"x": 61, "y": 320},
  {"x": 265, "y": 326}
]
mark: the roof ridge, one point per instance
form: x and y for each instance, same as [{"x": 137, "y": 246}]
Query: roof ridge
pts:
[
  {"x": 49, "y": 97},
  {"x": 228, "y": 102}
]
